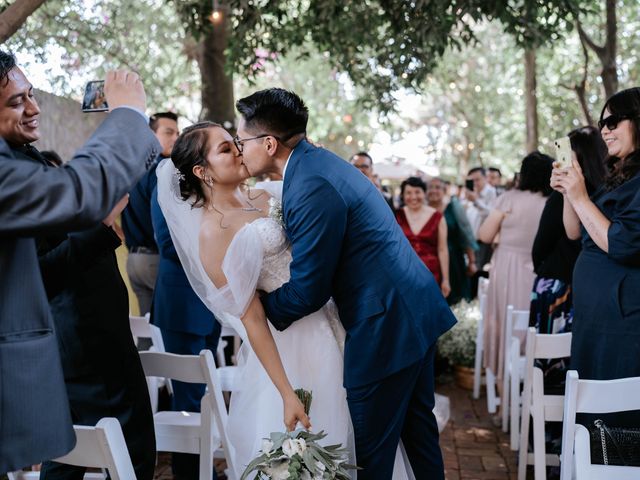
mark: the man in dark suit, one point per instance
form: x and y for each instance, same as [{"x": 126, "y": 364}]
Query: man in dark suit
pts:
[
  {"x": 35, "y": 200},
  {"x": 346, "y": 244},
  {"x": 90, "y": 307},
  {"x": 143, "y": 258},
  {"x": 363, "y": 162}
]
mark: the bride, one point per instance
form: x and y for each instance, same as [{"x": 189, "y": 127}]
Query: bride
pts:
[{"x": 230, "y": 248}]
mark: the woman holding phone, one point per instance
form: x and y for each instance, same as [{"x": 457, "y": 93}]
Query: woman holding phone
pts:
[
  {"x": 515, "y": 217},
  {"x": 606, "y": 279}
]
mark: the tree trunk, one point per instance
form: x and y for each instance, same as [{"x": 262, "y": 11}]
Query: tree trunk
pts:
[
  {"x": 531, "y": 99},
  {"x": 609, "y": 68},
  {"x": 607, "y": 52},
  {"x": 217, "y": 86},
  {"x": 12, "y": 18}
]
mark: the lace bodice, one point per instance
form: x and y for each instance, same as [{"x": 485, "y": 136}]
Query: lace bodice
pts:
[
  {"x": 276, "y": 254},
  {"x": 275, "y": 269}
]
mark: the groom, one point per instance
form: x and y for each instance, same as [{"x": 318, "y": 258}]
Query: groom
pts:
[{"x": 346, "y": 244}]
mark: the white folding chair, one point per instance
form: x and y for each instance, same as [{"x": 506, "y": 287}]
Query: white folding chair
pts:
[
  {"x": 536, "y": 404},
  {"x": 516, "y": 327},
  {"x": 593, "y": 396},
  {"x": 142, "y": 328},
  {"x": 483, "y": 285},
  {"x": 102, "y": 446},
  {"x": 201, "y": 433}
]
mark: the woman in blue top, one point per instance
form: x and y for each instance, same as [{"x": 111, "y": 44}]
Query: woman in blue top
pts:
[{"x": 606, "y": 279}]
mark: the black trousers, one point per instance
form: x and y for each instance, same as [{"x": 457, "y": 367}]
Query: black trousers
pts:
[{"x": 111, "y": 384}]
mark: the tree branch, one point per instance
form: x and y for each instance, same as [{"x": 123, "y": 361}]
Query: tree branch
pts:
[
  {"x": 15, "y": 15},
  {"x": 584, "y": 37}
]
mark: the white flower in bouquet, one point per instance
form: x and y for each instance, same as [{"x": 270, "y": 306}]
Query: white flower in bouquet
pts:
[
  {"x": 278, "y": 472},
  {"x": 294, "y": 446}
]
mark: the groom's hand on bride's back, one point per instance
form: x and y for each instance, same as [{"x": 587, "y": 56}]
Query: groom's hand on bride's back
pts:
[{"x": 294, "y": 413}]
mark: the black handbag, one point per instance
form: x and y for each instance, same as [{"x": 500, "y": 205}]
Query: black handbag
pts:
[{"x": 614, "y": 445}]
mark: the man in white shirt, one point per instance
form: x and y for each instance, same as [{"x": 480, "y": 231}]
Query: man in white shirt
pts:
[{"x": 480, "y": 201}]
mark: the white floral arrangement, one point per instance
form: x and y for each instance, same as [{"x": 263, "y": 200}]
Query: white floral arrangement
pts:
[
  {"x": 297, "y": 455},
  {"x": 275, "y": 211},
  {"x": 458, "y": 345}
]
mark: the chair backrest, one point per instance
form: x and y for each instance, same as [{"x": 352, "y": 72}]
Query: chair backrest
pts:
[
  {"x": 517, "y": 322},
  {"x": 193, "y": 369},
  {"x": 142, "y": 328},
  {"x": 102, "y": 446},
  {"x": 593, "y": 396},
  {"x": 542, "y": 346}
]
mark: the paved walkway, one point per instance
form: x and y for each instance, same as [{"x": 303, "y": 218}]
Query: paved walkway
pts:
[{"x": 472, "y": 447}]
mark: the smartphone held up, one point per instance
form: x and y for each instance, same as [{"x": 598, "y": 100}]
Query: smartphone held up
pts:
[
  {"x": 563, "y": 152},
  {"x": 94, "y": 98}
]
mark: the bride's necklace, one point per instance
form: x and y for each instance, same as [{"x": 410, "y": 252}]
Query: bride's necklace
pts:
[{"x": 250, "y": 208}]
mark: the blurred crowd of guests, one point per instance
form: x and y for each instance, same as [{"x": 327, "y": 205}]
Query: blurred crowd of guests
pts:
[{"x": 561, "y": 241}]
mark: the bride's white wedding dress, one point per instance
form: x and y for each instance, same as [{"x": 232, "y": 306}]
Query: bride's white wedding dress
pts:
[
  {"x": 311, "y": 348},
  {"x": 311, "y": 354}
]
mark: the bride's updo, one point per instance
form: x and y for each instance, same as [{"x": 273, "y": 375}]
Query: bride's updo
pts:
[{"x": 191, "y": 149}]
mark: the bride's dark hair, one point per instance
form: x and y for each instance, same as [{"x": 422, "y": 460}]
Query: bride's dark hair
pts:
[{"x": 191, "y": 149}]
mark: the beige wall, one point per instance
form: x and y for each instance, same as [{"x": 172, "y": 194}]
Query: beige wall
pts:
[{"x": 63, "y": 126}]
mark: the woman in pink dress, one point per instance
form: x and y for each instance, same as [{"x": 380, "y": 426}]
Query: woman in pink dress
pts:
[
  {"x": 426, "y": 230},
  {"x": 515, "y": 216}
]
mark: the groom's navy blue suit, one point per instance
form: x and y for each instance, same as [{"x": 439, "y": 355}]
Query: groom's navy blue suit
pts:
[{"x": 346, "y": 244}]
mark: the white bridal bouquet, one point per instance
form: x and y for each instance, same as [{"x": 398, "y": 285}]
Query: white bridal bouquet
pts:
[{"x": 297, "y": 455}]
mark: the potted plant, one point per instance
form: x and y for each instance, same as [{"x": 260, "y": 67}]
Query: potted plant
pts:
[{"x": 458, "y": 345}]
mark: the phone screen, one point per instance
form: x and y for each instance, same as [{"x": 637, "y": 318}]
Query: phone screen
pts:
[
  {"x": 469, "y": 184},
  {"x": 94, "y": 99},
  {"x": 563, "y": 151}
]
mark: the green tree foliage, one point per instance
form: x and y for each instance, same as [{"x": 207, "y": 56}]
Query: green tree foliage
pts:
[
  {"x": 144, "y": 36},
  {"x": 383, "y": 45}
]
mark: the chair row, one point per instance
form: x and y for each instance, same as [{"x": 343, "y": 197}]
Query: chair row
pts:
[{"x": 581, "y": 396}]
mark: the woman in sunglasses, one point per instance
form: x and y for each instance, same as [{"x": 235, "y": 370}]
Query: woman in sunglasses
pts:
[{"x": 606, "y": 279}]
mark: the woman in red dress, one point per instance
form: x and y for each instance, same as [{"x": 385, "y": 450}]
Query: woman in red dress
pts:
[{"x": 426, "y": 230}]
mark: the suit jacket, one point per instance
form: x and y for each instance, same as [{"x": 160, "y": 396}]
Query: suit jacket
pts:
[
  {"x": 176, "y": 307},
  {"x": 34, "y": 200},
  {"x": 347, "y": 244}
]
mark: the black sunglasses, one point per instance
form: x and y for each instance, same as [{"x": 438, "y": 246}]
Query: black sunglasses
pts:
[{"x": 612, "y": 121}]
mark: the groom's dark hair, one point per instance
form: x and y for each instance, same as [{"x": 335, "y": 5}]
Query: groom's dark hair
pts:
[{"x": 274, "y": 111}]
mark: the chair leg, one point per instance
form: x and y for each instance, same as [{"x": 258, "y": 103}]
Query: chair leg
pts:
[
  {"x": 539, "y": 451},
  {"x": 492, "y": 400},
  {"x": 477, "y": 374},
  {"x": 206, "y": 442},
  {"x": 515, "y": 411},
  {"x": 524, "y": 443},
  {"x": 505, "y": 397}
]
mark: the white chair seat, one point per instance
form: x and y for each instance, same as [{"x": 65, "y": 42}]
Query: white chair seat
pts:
[{"x": 180, "y": 432}]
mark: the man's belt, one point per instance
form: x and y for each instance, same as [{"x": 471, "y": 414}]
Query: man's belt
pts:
[{"x": 148, "y": 251}]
